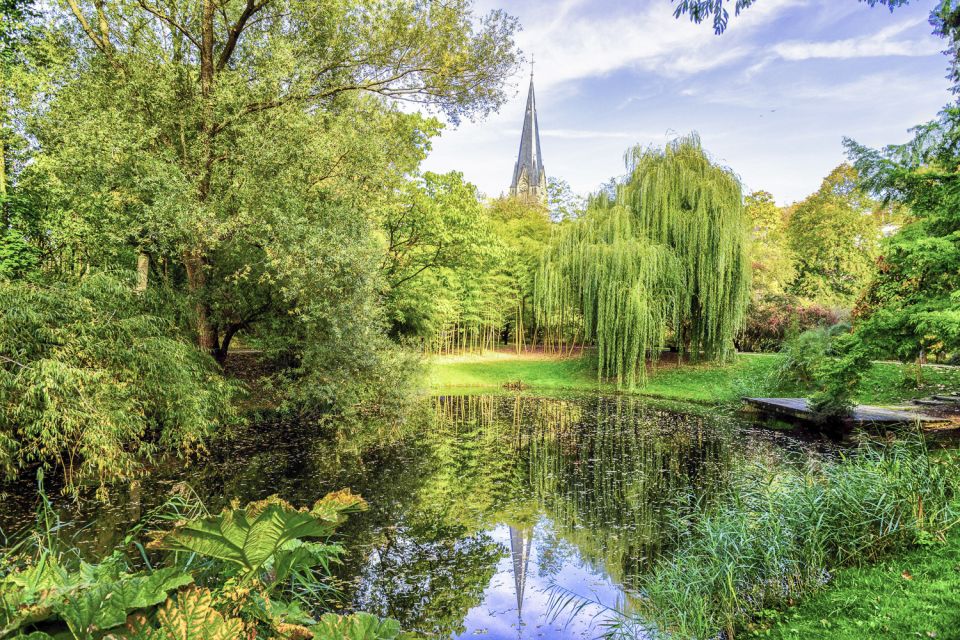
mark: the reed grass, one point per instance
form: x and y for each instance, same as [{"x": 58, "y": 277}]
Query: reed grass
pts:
[{"x": 776, "y": 536}]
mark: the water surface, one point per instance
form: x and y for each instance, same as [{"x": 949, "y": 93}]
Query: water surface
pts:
[{"x": 483, "y": 509}]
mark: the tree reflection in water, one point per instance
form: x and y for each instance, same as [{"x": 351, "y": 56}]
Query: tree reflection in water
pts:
[{"x": 481, "y": 503}]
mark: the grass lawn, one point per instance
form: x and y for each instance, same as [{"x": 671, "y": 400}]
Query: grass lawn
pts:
[
  {"x": 749, "y": 374},
  {"x": 913, "y": 595}
]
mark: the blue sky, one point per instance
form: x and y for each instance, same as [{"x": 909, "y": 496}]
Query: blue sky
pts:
[{"x": 772, "y": 98}]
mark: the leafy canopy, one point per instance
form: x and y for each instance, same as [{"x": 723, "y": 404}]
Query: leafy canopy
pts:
[
  {"x": 834, "y": 238},
  {"x": 667, "y": 254}
]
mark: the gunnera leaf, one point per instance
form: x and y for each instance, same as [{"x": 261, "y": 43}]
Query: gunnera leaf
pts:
[
  {"x": 104, "y": 606},
  {"x": 356, "y": 626},
  {"x": 251, "y": 537},
  {"x": 189, "y": 616}
]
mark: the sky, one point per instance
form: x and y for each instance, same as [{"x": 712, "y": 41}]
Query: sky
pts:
[{"x": 772, "y": 98}]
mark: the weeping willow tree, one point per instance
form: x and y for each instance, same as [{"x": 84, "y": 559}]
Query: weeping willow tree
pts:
[{"x": 663, "y": 258}]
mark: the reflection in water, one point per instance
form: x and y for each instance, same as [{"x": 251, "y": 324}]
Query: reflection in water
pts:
[
  {"x": 483, "y": 507},
  {"x": 520, "y": 541}
]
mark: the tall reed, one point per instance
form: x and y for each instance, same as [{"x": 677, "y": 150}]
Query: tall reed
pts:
[{"x": 776, "y": 535}]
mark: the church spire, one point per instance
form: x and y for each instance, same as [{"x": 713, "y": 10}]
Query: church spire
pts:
[{"x": 529, "y": 177}]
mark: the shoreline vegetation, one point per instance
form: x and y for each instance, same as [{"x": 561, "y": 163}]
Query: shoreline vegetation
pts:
[
  {"x": 885, "y": 384},
  {"x": 876, "y": 595}
]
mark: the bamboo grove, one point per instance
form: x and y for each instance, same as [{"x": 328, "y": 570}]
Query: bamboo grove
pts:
[{"x": 660, "y": 260}]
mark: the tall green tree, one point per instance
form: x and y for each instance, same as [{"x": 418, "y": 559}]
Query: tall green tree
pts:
[
  {"x": 524, "y": 229},
  {"x": 438, "y": 227},
  {"x": 187, "y": 134},
  {"x": 834, "y": 237},
  {"x": 771, "y": 258},
  {"x": 18, "y": 34},
  {"x": 911, "y": 308}
]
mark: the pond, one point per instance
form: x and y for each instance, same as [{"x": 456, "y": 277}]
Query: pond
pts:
[{"x": 484, "y": 510}]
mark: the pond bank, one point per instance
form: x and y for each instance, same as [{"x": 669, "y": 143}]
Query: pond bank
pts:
[
  {"x": 915, "y": 594},
  {"x": 748, "y": 375}
]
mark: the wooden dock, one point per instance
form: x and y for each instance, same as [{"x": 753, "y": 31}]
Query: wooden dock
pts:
[{"x": 799, "y": 408}]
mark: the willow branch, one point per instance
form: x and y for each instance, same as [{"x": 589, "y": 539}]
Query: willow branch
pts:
[
  {"x": 169, "y": 21},
  {"x": 75, "y": 8}
]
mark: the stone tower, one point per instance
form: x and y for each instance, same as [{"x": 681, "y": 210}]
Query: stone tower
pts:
[{"x": 529, "y": 177}]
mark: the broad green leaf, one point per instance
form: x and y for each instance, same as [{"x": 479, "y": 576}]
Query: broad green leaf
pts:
[
  {"x": 251, "y": 537},
  {"x": 357, "y": 626},
  {"x": 190, "y": 616},
  {"x": 107, "y": 605},
  {"x": 296, "y": 555}
]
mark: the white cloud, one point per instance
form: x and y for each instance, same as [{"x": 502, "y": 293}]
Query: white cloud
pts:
[
  {"x": 881, "y": 43},
  {"x": 577, "y": 41}
]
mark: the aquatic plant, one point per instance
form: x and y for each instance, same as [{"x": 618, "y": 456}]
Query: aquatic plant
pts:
[
  {"x": 665, "y": 256},
  {"x": 778, "y": 534}
]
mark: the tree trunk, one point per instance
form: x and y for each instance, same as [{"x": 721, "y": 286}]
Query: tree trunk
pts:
[
  {"x": 143, "y": 271},
  {"x": 196, "y": 282},
  {"x": 221, "y": 350},
  {"x": 4, "y": 207}
]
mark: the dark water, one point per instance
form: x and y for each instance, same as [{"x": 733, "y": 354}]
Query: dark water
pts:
[{"x": 481, "y": 508}]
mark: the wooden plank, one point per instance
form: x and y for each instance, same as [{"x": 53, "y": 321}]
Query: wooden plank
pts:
[{"x": 862, "y": 414}]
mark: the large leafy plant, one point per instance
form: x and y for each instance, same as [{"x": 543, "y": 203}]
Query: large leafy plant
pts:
[
  {"x": 265, "y": 539},
  {"x": 259, "y": 573}
]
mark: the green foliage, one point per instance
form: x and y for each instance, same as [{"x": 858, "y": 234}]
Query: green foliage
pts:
[
  {"x": 912, "y": 307},
  {"x": 17, "y": 256},
  {"x": 772, "y": 319},
  {"x": 441, "y": 256},
  {"x": 778, "y": 534},
  {"x": 668, "y": 254},
  {"x": 840, "y": 377},
  {"x": 358, "y": 626},
  {"x": 189, "y": 616},
  {"x": 771, "y": 259},
  {"x": 254, "y": 564},
  {"x": 89, "y": 599},
  {"x": 834, "y": 239},
  {"x": 246, "y": 163},
  {"x": 264, "y": 536},
  {"x": 802, "y": 355},
  {"x": 563, "y": 203},
  {"x": 700, "y": 10},
  {"x": 93, "y": 381},
  {"x": 828, "y": 362}
]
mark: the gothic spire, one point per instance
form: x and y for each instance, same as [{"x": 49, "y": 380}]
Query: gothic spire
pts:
[{"x": 529, "y": 177}]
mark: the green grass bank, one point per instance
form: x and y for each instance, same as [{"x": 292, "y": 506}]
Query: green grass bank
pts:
[
  {"x": 911, "y": 595},
  {"x": 749, "y": 374}
]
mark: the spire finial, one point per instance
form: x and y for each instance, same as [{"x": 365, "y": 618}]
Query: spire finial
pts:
[{"x": 532, "y": 62}]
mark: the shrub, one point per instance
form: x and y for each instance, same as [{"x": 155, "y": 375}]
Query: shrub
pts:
[
  {"x": 828, "y": 363},
  {"x": 92, "y": 382},
  {"x": 771, "y": 320}
]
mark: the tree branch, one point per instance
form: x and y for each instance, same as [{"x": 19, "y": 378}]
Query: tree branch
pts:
[
  {"x": 170, "y": 21},
  {"x": 236, "y": 30}
]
